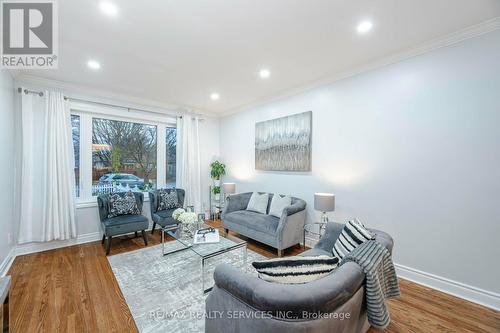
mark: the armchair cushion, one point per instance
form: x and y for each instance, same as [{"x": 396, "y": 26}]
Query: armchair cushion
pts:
[
  {"x": 123, "y": 224},
  {"x": 254, "y": 221},
  {"x": 165, "y": 214},
  {"x": 122, "y": 203},
  {"x": 293, "y": 270},
  {"x": 353, "y": 234},
  {"x": 167, "y": 199}
]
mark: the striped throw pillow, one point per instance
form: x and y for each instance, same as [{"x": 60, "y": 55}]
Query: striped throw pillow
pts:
[
  {"x": 353, "y": 234},
  {"x": 294, "y": 270}
]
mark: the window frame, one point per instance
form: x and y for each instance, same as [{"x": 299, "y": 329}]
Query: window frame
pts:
[{"x": 88, "y": 111}]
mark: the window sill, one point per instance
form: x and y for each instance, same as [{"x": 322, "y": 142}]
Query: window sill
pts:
[{"x": 88, "y": 203}]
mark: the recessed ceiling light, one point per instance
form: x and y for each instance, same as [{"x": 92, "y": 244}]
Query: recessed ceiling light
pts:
[
  {"x": 364, "y": 27},
  {"x": 108, "y": 8},
  {"x": 214, "y": 96},
  {"x": 264, "y": 73},
  {"x": 93, "y": 64}
]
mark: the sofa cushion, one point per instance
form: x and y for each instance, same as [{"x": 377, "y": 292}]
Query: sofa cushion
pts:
[
  {"x": 353, "y": 234},
  {"x": 167, "y": 199},
  {"x": 255, "y": 221},
  {"x": 293, "y": 270},
  {"x": 278, "y": 204},
  {"x": 258, "y": 202},
  {"x": 122, "y": 204}
]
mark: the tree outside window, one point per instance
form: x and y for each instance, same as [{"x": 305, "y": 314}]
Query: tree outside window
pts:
[
  {"x": 171, "y": 146},
  {"x": 123, "y": 156},
  {"x": 75, "y": 128}
]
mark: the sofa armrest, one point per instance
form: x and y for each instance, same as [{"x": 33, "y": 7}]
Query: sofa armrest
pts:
[
  {"x": 153, "y": 202},
  {"x": 297, "y": 206},
  {"x": 291, "y": 224},
  {"x": 102, "y": 204},
  {"x": 236, "y": 202},
  {"x": 181, "y": 196},
  {"x": 139, "y": 200},
  {"x": 383, "y": 238},
  {"x": 323, "y": 295}
]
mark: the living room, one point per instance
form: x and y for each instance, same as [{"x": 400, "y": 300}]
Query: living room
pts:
[{"x": 250, "y": 166}]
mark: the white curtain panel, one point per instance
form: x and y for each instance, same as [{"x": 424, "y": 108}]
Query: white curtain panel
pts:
[
  {"x": 47, "y": 210},
  {"x": 188, "y": 160}
]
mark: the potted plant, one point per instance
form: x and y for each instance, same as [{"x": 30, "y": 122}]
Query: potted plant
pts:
[
  {"x": 217, "y": 170},
  {"x": 216, "y": 190}
]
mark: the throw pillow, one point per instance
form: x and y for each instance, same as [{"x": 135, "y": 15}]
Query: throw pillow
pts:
[
  {"x": 278, "y": 203},
  {"x": 122, "y": 204},
  {"x": 258, "y": 202},
  {"x": 353, "y": 234},
  {"x": 167, "y": 199},
  {"x": 294, "y": 270}
]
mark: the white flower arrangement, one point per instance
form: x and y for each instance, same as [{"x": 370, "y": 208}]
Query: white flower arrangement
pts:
[
  {"x": 177, "y": 213},
  {"x": 188, "y": 218}
]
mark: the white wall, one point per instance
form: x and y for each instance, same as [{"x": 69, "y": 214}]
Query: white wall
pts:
[
  {"x": 7, "y": 166},
  {"x": 412, "y": 149}
]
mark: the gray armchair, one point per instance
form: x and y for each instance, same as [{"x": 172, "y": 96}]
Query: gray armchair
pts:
[
  {"x": 292, "y": 308},
  {"x": 163, "y": 217},
  {"x": 122, "y": 224},
  {"x": 280, "y": 233}
]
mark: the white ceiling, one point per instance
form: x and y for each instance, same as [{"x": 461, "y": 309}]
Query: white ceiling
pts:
[{"x": 178, "y": 52}]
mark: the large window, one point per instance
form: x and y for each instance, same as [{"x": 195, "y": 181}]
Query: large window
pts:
[
  {"x": 75, "y": 126},
  {"x": 123, "y": 156},
  {"x": 171, "y": 146},
  {"x": 117, "y": 151}
]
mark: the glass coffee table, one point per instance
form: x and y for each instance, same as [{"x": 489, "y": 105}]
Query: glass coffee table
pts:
[{"x": 203, "y": 251}]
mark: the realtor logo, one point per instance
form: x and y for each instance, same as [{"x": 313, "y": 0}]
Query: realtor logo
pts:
[{"x": 29, "y": 34}]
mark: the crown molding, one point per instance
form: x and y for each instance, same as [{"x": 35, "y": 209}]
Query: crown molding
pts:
[
  {"x": 103, "y": 96},
  {"x": 444, "y": 41}
]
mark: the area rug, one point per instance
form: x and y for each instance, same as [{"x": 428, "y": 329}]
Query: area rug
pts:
[{"x": 164, "y": 293}]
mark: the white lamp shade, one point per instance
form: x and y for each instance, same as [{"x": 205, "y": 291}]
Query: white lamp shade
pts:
[
  {"x": 229, "y": 188},
  {"x": 324, "y": 202}
]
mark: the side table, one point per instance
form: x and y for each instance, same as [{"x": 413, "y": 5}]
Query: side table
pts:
[{"x": 315, "y": 229}]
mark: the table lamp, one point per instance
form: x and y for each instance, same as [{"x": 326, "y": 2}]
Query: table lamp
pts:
[
  {"x": 324, "y": 202},
  {"x": 229, "y": 188}
]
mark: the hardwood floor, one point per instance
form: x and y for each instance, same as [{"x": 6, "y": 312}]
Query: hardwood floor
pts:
[{"x": 73, "y": 289}]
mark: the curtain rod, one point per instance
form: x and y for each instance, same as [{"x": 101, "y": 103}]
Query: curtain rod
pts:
[
  {"x": 40, "y": 93},
  {"x": 26, "y": 91}
]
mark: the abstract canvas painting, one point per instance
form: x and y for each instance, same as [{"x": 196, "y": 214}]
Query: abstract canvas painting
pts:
[{"x": 284, "y": 144}]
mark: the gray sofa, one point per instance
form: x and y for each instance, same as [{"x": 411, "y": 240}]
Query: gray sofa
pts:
[
  {"x": 273, "y": 307},
  {"x": 164, "y": 217},
  {"x": 280, "y": 233},
  {"x": 123, "y": 224}
]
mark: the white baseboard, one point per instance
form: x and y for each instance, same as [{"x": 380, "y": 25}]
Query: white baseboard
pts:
[
  {"x": 22, "y": 249},
  {"x": 462, "y": 290},
  {"x": 7, "y": 262}
]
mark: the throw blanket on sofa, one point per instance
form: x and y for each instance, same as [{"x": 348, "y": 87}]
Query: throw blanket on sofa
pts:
[{"x": 381, "y": 279}]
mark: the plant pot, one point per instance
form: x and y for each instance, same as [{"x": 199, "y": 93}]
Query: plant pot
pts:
[
  {"x": 216, "y": 182},
  {"x": 217, "y": 197}
]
